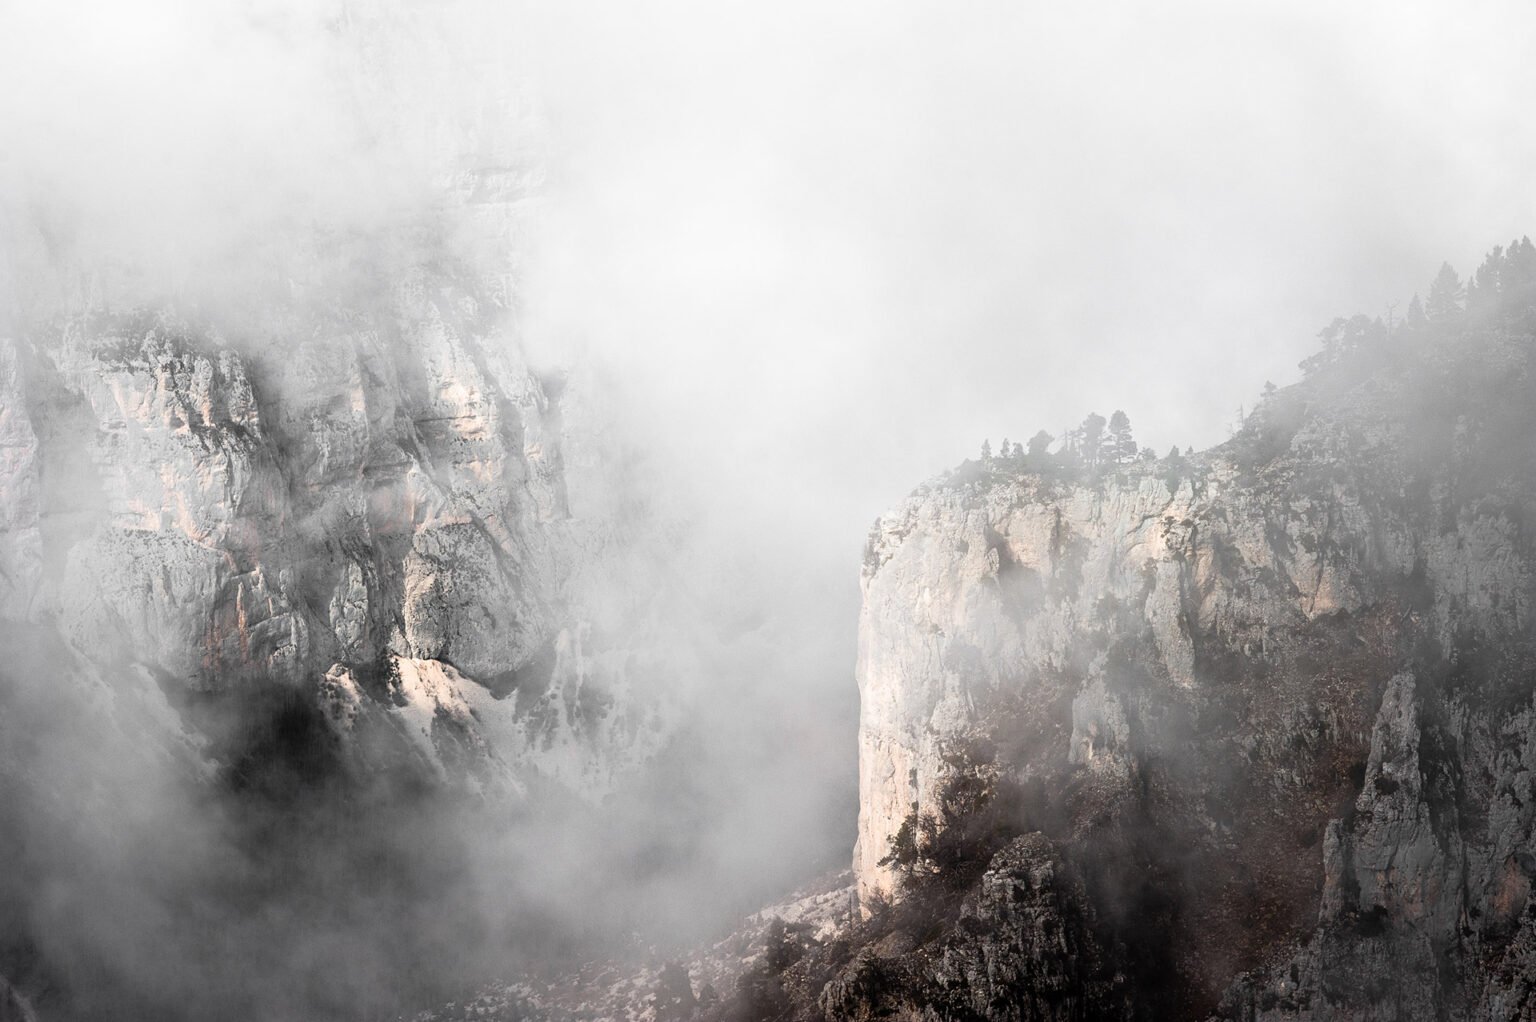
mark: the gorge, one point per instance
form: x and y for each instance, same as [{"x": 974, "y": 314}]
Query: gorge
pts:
[{"x": 438, "y": 447}]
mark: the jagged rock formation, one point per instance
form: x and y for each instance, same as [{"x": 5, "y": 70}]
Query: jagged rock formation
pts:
[
  {"x": 328, "y": 467},
  {"x": 378, "y": 518},
  {"x": 303, "y": 567},
  {"x": 346, "y": 571},
  {"x": 1274, "y": 704}
]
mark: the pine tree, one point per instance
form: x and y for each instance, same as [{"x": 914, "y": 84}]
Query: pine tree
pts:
[
  {"x": 1520, "y": 274},
  {"x": 1120, "y": 447},
  {"x": 1445, "y": 293},
  {"x": 986, "y": 450},
  {"x": 1040, "y": 444},
  {"x": 1416, "y": 317},
  {"x": 1484, "y": 288},
  {"x": 1092, "y": 434}
]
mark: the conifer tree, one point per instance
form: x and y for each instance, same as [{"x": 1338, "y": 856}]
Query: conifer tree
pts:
[
  {"x": 1445, "y": 293},
  {"x": 1120, "y": 446},
  {"x": 1519, "y": 277},
  {"x": 1484, "y": 288},
  {"x": 1092, "y": 437}
]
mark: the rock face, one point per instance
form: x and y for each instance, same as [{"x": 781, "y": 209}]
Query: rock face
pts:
[
  {"x": 328, "y": 468},
  {"x": 321, "y": 602},
  {"x": 319, "y": 584},
  {"x": 376, "y": 518},
  {"x": 1274, "y": 703}
]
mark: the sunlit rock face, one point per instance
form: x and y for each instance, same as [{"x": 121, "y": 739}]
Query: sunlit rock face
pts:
[
  {"x": 327, "y": 575},
  {"x": 1275, "y": 700},
  {"x": 323, "y": 465},
  {"x": 966, "y": 592},
  {"x": 373, "y": 516}
]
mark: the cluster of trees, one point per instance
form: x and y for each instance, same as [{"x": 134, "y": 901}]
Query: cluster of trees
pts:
[
  {"x": 1097, "y": 443},
  {"x": 1505, "y": 282},
  {"x": 1503, "y": 285}
]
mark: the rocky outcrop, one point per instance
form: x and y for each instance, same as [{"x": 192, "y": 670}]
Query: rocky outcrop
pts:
[
  {"x": 308, "y": 600},
  {"x": 1426, "y": 884},
  {"x": 377, "y": 518},
  {"x": 1273, "y": 702},
  {"x": 323, "y": 466},
  {"x": 967, "y": 592}
]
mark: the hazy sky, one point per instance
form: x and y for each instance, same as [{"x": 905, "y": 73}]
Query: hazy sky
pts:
[
  {"x": 841, "y": 243},
  {"x": 834, "y": 245},
  {"x": 825, "y": 249}
]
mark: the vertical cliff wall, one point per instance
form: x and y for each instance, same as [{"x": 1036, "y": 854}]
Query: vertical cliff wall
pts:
[
  {"x": 1271, "y": 698},
  {"x": 376, "y": 514},
  {"x": 313, "y": 590}
]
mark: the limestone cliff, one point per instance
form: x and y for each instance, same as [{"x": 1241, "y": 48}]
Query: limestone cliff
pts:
[
  {"x": 322, "y": 589},
  {"x": 312, "y": 589},
  {"x": 375, "y": 514},
  {"x": 324, "y": 465},
  {"x": 1273, "y": 701}
]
